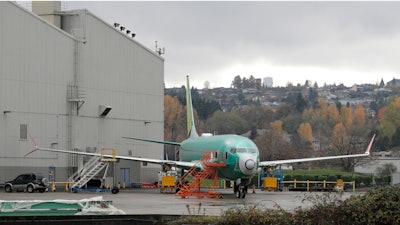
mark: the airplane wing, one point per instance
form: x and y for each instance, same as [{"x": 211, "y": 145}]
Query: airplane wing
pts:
[
  {"x": 178, "y": 164},
  {"x": 288, "y": 161}
]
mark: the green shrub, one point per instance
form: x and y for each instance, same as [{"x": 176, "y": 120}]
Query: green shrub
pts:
[
  {"x": 299, "y": 177},
  {"x": 255, "y": 215},
  {"x": 288, "y": 177},
  {"x": 377, "y": 206}
]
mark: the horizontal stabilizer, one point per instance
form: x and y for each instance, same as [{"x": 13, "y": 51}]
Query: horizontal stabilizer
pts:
[{"x": 155, "y": 141}]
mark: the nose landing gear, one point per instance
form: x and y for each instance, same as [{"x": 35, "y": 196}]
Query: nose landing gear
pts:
[
  {"x": 239, "y": 189},
  {"x": 241, "y": 193}
]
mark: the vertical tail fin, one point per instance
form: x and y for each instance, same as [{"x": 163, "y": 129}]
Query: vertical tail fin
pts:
[{"x": 191, "y": 128}]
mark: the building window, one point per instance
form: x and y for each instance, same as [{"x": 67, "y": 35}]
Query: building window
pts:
[{"x": 23, "y": 131}]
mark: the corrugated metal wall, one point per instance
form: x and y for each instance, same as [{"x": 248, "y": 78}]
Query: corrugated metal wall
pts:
[
  {"x": 36, "y": 61},
  {"x": 37, "y": 64}
]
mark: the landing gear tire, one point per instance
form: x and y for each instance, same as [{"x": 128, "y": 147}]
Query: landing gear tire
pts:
[
  {"x": 114, "y": 190},
  {"x": 241, "y": 193},
  {"x": 240, "y": 189},
  {"x": 238, "y": 193}
]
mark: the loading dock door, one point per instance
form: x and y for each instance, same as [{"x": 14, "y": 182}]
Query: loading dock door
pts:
[{"x": 124, "y": 176}]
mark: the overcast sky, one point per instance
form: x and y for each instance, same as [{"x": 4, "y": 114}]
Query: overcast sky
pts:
[{"x": 325, "y": 42}]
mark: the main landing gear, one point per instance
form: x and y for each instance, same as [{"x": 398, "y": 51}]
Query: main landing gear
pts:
[{"x": 240, "y": 189}]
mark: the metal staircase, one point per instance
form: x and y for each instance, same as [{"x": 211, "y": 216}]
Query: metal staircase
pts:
[
  {"x": 209, "y": 170},
  {"x": 90, "y": 169}
]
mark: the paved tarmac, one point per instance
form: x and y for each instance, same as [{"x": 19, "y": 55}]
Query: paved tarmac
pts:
[{"x": 151, "y": 201}]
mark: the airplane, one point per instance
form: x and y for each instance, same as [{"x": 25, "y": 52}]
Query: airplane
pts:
[{"x": 240, "y": 154}]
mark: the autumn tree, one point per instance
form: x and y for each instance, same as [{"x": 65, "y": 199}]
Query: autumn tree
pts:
[
  {"x": 174, "y": 120},
  {"x": 204, "y": 108},
  {"x": 390, "y": 123},
  {"x": 305, "y": 132},
  {"x": 272, "y": 143},
  {"x": 340, "y": 138},
  {"x": 346, "y": 114},
  {"x": 323, "y": 108},
  {"x": 333, "y": 115},
  {"x": 174, "y": 124},
  {"x": 359, "y": 115},
  {"x": 350, "y": 136},
  {"x": 302, "y": 140},
  {"x": 322, "y": 120},
  {"x": 341, "y": 144},
  {"x": 341, "y": 131}
]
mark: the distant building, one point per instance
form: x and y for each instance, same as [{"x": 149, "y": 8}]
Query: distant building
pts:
[
  {"x": 72, "y": 81},
  {"x": 268, "y": 82},
  {"x": 379, "y": 159},
  {"x": 395, "y": 83}
]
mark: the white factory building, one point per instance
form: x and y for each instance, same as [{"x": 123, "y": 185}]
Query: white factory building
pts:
[{"x": 74, "y": 82}]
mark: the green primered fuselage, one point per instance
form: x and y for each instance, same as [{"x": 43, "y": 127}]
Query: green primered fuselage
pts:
[{"x": 240, "y": 154}]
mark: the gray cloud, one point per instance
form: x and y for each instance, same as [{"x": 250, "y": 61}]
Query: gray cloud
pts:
[{"x": 204, "y": 38}]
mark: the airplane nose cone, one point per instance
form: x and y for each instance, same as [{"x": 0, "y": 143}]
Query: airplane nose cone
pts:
[
  {"x": 247, "y": 164},
  {"x": 250, "y": 164}
]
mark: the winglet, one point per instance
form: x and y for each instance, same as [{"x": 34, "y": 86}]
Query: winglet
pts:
[
  {"x": 367, "y": 152},
  {"x": 36, "y": 148},
  {"x": 33, "y": 142}
]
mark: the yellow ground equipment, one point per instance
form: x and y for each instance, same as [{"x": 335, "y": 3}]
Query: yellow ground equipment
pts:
[
  {"x": 270, "y": 184},
  {"x": 271, "y": 179},
  {"x": 167, "y": 184}
]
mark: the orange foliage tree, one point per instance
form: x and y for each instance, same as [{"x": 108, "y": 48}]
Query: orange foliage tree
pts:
[
  {"x": 305, "y": 132},
  {"x": 350, "y": 135},
  {"x": 174, "y": 119}
]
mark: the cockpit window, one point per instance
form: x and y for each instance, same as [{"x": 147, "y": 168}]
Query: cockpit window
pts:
[
  {"x": 252, "y": 150},
  {"x": 243, "y": 150}
]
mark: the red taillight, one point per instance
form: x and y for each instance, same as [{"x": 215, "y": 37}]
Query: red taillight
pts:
[{"x": 37, "y": 181}]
